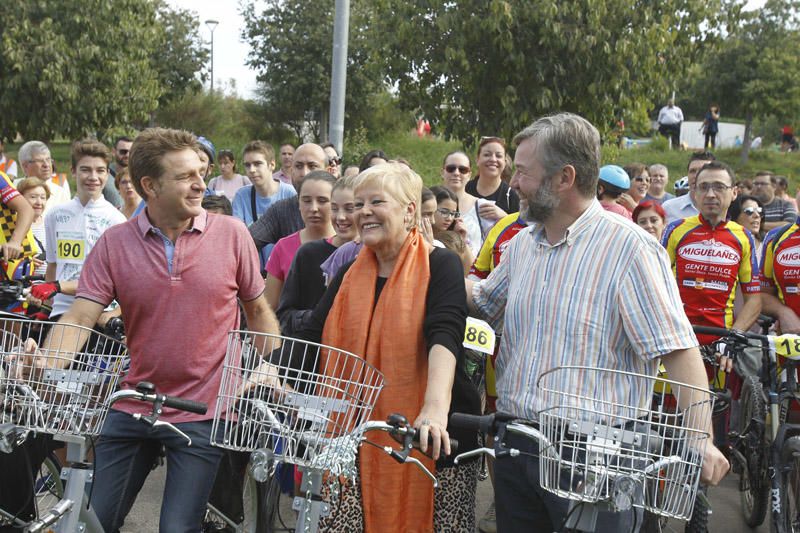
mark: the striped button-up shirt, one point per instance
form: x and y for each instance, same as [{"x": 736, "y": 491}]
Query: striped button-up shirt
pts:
[{"x": 604, "y": 296}]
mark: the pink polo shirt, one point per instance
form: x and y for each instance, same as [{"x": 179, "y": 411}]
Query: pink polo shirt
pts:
[{"x": 177, "y": 323}]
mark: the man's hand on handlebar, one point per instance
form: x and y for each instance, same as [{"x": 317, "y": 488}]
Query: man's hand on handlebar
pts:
[
  {"x": 725, "y": 354},
  {"x": 715, "y": 465},
  {"x": 432, "y": 421},
  {"x": 43, "y": 291}
]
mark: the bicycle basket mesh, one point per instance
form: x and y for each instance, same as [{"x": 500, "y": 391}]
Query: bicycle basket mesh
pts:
[
  {"x": 300, "y": 400},
  {"x": 607, "y": 444},
  {"x": 64, "y": 388}
]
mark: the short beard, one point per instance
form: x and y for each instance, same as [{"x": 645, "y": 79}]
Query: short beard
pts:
[{"x": 542, "y": 204}]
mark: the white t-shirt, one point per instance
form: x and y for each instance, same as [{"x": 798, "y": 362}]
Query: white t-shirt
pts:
[{"x": 71, "y": 232}]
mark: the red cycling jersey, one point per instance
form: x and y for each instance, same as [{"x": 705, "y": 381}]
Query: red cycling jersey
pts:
[
  {"x": 780, "y": 264},
  {"x": 708, "y": 261}
]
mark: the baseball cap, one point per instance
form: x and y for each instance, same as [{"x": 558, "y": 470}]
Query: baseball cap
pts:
[{"x": 616, "y": 176}]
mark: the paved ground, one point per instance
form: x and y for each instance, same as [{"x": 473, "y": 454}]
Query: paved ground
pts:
[{"x": 724, "y": 499}]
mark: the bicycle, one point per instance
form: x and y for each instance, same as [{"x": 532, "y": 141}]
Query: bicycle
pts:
[
  {"x": 63, "y": 393},
  {"x": 604, "y": 455},
  {"x": 292, "y": 402},
  {"x": 767, "y": 447}
]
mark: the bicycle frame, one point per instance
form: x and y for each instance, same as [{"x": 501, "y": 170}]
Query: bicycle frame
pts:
[{"x": 781, "y": 389}]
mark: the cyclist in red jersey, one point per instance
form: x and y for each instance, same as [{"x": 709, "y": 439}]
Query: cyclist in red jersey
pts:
[
  {"x": 780, "y": 279},
  {"x": 710, "y": 256}
]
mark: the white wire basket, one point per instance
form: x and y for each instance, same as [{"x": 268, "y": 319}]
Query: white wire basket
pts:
[
  {"x": 63, "y": 387},
  {"x": 300, "y": 401},
  {"x": 612, "y": 439}
]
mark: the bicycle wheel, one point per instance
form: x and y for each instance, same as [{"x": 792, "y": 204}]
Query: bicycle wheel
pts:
[
  {"x": 790, "y": 484},
  {"x": 699, "y": 521},
  {"x": 48, "y": 486},
  {"x": 754, "y": 484},
  {"x": 239, "y": 503}
]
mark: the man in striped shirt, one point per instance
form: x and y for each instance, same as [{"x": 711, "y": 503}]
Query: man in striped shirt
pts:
[{"x": 584, "y": 287}]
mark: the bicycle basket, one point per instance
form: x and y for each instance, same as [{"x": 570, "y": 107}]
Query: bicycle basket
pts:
[
  {"x": 65, "y": 386},
  {"x": 300, "y": 400},
  {"x": 611, "y": 440}
]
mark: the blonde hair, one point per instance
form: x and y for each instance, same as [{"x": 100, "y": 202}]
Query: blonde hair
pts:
[
  {"x": 31, "y": 183},
  {"x": 397, "y": 180}
]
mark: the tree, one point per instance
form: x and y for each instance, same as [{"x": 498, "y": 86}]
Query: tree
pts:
[
  {"x": 291, "y": 42},
  {"x": 74, "y": 67},
  {"x": 490, "y": 67},
  {"x": 179, "y": 53},
  {"x": 755, "y": 71}
]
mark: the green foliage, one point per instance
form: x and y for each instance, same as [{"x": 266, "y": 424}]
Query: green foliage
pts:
[
  {"x": 179, "y": 52},
  {"x": 291, "y": 43},
  {"x": 491, "y": 67},
  {"x": 755, "y": 72},
  {"x": 223, "y": 119},
  {"x": 77, "y": 67}
]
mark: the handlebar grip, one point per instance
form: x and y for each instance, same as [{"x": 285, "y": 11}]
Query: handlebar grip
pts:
[
  {"x": 185, "y": 405},
  {"x": 707, "y": 330},
  {"x": 482, "y": 423},
  {"x": 453, "y": 442}
]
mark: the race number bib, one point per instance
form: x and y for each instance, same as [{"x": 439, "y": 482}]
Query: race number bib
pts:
[
  {"x": 786, "y": 345},
  {"x": 479, "y": 336},
  {"x": 70, "y": 247}
]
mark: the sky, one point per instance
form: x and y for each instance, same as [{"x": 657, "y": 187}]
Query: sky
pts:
[{"x": 230, "y": 53}]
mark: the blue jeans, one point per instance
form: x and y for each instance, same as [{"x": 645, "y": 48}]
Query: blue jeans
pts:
[
  {"x": 125, "y": 455},
  {"x": 523, "y": 506}
]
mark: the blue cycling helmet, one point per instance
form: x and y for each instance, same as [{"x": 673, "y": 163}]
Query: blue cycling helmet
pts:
[
  {"x": 208, "y": 148},
  {"x": 616, "y": 176}
]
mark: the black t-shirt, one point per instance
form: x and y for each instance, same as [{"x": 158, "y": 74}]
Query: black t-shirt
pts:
[
  {"x": 304, "y": 285},
  {"x": 444, "y": 323},
  {"x": 504, "y": 196}
]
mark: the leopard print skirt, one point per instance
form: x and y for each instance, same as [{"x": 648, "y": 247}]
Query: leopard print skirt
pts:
[{"x": 453, "y": 506}]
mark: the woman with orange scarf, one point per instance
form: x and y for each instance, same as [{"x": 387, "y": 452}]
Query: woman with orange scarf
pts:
[{"x": 400, "y": 305}]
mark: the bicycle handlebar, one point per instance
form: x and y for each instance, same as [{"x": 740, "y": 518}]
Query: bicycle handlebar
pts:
[
  {"x": 146, "y": 392},
  {"x": 730, "y": 333},
  {"x": 400, "y": 430}
]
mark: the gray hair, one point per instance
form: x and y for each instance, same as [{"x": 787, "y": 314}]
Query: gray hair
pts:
[
  {"x": 31, "y": 149},
  {"x": 658, "y": 167},
  {"x": 567, "y": 139}
]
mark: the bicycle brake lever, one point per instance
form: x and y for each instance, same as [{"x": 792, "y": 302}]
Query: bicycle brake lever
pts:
[
  {"x": 161, "y": 423},
  {"x": 150, "y": 421},
  {"x": 415, "y": 461},
  {"x": 473, "y": 453}
]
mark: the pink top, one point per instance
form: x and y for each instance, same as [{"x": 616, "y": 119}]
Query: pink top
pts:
[
  {"x": 280, "y": 259},
  {"x": 178, "y": 323},
  {"x": 280, "y": 175},
  {"x": 618, "y": 209}
]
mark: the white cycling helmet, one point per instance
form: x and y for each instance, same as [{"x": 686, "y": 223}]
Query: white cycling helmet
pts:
[{"x": 682, "y": 184}]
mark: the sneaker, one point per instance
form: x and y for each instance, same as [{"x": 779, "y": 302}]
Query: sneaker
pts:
[{"x": 488, "y": 524}]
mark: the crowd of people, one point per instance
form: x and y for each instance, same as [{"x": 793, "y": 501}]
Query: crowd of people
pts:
[{"x": 367, "y": 259}]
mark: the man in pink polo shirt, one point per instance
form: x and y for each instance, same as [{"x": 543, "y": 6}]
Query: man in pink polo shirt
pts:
[{"x": 177, "y": 272}]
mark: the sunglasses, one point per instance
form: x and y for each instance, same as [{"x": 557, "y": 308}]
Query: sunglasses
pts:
[
  {"x": 336, "y": 160},
  {"x": 446, "y": 213},
  {"x": 750, "y": 211},
  {"x": 462, "y": 169},
  {"x": 123, "y": 151},
  {"x": 641, "y": 178}
]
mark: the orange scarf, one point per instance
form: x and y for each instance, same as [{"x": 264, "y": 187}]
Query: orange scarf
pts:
[{"x": 395, "y": 497}]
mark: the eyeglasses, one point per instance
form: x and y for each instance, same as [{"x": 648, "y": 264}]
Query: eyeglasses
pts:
[
  {"x": 446, "y": 213},
  {"x": 462, "y": 169},
  {"x": 718, "y": 188},
  {"x": 750, "y": 211},
  {"x": 762, "y": 183}
]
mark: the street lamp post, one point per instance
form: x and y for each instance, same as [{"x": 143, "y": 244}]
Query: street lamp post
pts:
[{"x": 212, "y": 25}]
